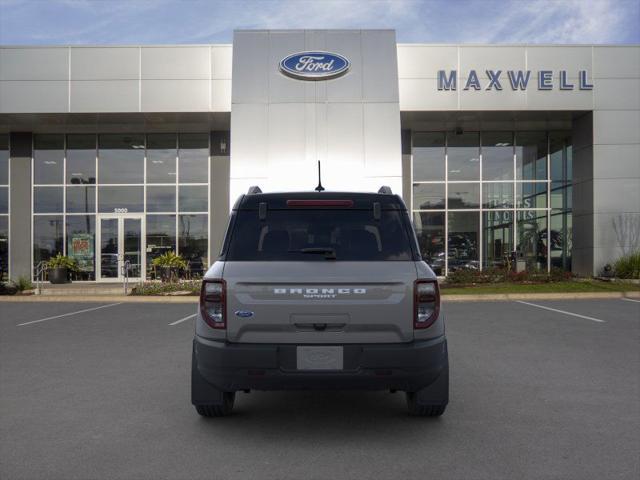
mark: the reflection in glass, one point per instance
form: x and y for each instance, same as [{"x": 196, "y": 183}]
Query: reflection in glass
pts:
[
  {"x": 81, "y": 240},
  {"x": 81, "y": 199},
  {"x": 463, "y": 156},
  {"x": 561, "y": 195},
  {"x": 4, "y": 159},
  {"x": 4, "y": 200},
  {"x": 543, "y": 162},
  {"x": 109, "y": 249},
  {"x": 161, "y": 199},
  {"x": 48, "y": 159},
  {"x": 47, "y": 199},
  {"x": 193, "y": 238},
  {"x": 497, "y": 156},
  {"x": 531, "y": 155},
  {"x": 430, "y": 232},
  {"x": 463, "y": 235},
  {"x": 498, "y": 238},
  {"x": 531, "y": 195},
  {"x": 193, "y": 163},
  {"x": 47, "y": 237},
  {"x": 193, "y": 198},
  {"x": 112, "y": 198},
  {"x": 531, "y": 249},
  {"x": 560, "y": 154},
  {"x": 4, "y": 247},
  {"x": 561, "y": 239},
  {"x": 81, "y": 159},
  {"x": 161, "y": 238},
  {"x": 464, "y": 195},
  {"x": 428, "y": 157},
  {"x": 120, "y": 158},
  {"x": 428, "y": 196},
  {"x": 132, "y": 243},
  {"x": 161, "y": 158},
  {"x": 497, "y": 195}
]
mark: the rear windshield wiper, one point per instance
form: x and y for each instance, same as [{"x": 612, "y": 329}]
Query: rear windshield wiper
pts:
[{"x": 329, "y": 253}]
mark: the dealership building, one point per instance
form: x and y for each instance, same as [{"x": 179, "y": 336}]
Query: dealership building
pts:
[{"x": 503, "y": 153}]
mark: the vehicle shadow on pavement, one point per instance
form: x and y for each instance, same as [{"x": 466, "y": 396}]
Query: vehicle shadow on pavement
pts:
[{"x": 325, "y": 414}]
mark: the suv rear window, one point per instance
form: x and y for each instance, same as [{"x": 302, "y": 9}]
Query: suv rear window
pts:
[{"x": 318, "y": 235}]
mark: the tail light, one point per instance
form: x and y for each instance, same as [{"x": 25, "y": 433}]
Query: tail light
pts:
[
  {"x": 426, "y": 303},
  {"x": 213, "y": 299}
]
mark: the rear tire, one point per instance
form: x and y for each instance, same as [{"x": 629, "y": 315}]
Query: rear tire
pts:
[
  {"x": 418, "y": 410},
  {"x": 218, "y": 410}
]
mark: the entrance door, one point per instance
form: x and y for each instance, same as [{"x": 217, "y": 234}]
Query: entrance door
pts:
[{"x": 120, "y": 246}]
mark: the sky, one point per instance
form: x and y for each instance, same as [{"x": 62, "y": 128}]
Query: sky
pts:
[{"x": 121, "y": 22}]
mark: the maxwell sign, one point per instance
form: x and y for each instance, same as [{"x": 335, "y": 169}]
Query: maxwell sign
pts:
[
  {"x": 516, "y": 79},
  {"x": 314, "y": 65}
]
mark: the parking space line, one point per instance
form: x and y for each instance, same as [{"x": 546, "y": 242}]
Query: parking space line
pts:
[
  {"x": 68, "y": 314},
  {"x": 630, "y": 300},
  {"x": 182, "y": 320},
  {"x": 562, "y": 311}
]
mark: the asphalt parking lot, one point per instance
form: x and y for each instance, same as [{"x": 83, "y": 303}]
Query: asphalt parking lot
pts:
[{"x": 536, "y": 393}]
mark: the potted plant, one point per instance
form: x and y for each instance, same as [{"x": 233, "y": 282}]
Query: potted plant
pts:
[
  {"x": 59, "y": 268},
  {"x": 170, "y": 266}
]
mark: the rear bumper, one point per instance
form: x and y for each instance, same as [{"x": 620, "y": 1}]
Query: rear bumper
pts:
[{"x": 406, "y": 366}]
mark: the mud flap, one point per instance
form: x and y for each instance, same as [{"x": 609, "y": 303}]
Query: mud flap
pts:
[
  {"x": 202, "y": 392},
  {"x": 437, "y": 393}
]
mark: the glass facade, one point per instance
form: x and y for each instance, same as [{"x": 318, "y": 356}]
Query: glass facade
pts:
[
  {"x": 4, "y": 206},
  {"x": 109, "y": 198},
  {"x": 482, "y": 198}
]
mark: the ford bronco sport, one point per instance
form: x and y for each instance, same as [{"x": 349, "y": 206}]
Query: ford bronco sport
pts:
[{"x": 320, "y": 291}]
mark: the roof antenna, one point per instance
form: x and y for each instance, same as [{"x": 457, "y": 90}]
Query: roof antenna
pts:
[{"x": 319, "y": 188}]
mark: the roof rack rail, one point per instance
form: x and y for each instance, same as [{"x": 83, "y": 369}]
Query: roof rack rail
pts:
[
  {"x": 385, "y": 190},
  {"x": 254, "y": 189}
]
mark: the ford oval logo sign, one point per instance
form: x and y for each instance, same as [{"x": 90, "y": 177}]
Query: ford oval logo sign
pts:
[
  {"x": 244, "y": 313},
  {"x": 314, "y": 65}
]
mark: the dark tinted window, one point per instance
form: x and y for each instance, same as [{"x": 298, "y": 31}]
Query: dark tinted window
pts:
[
  {"x": 4, "y": 159},
  {"x": 48, "y": 159},
  {"x": 81, "y": 159},
  {"x": 81, "y": 199},
  {"x": 193, "y": 164},
  {"x": 354, "y": 235},
  {"x": 194, "y": 242},
  {"x": 121, "y": 159}
]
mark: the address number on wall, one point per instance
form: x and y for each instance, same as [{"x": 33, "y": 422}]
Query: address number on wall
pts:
[{"x": 120, "y": 210}]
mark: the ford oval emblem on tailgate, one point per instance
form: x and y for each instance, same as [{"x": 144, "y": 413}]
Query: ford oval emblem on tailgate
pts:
[
  {"x": 244, "y": 313},
  {"x": 314, "y": 65}
]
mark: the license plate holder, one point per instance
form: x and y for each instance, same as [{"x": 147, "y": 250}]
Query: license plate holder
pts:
[{"x": 319, "y": 358}]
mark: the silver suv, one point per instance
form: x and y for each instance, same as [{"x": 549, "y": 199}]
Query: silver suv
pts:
[{"x": 320, "y": 291}]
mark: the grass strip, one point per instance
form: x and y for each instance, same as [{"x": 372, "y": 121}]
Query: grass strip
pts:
[{"x": 551, "y": 287}]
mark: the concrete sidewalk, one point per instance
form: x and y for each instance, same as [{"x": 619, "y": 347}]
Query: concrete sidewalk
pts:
[{"x": 446, "y": 298}]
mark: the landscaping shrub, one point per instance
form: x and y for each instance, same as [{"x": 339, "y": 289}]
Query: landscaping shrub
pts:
[
  {"x": 170, "y": 266},
  {"x": 62, "y": 261},
  {"x": 11, "y": 287},
  {"x": 468, "y": 276},
  {"x": 502, "y": 275},
  {"x": 559, "y": 275},
  {"x": 628, "y": 266},
  {"x": 23, "y": 283},
  {"x": 156, "y": 288},
  {"x": 8, "y": 288}
]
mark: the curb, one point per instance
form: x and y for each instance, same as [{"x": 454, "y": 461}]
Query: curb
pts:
[
  {"x": 100, "y": 298},
  {"x": 503, "y": 297},
  {"x": 490, "y": 297}
]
